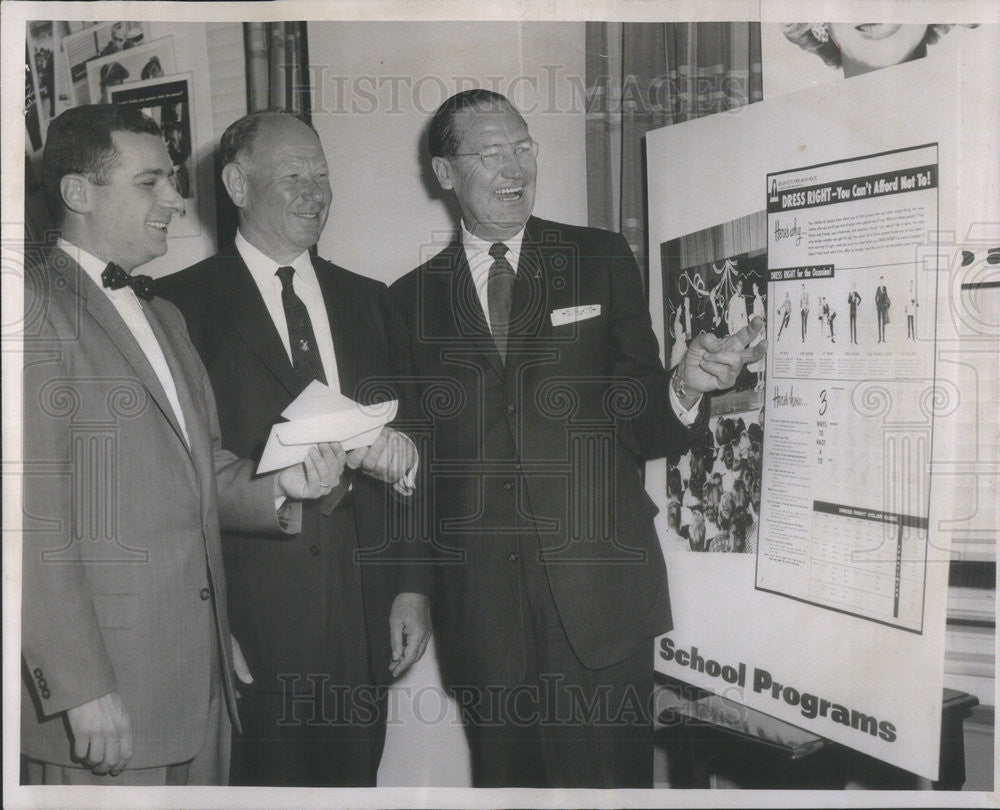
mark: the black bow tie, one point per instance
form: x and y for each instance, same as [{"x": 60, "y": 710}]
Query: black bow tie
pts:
[{"x": 115, "y": 278}]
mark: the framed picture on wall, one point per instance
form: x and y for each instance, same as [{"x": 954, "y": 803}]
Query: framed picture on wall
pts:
[
  {"x": 95, "y": 41},
  {"x": 167, "y": 100},
  {"x": 42, "y": 46},
  {"x": 149, "y": 61}
]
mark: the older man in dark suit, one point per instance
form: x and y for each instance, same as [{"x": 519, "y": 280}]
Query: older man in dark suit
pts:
[
  {"x": 125, "y": 634},
  {"x": 327, "y": 618},
  {"x": 529, "y": 355}
]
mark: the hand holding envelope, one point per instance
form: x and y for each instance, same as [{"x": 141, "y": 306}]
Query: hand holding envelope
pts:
[
  {"x": 321, "y": 414},
  {"x": 390, "y": 458}
]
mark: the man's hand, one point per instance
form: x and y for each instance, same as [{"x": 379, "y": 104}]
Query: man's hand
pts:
[
  {"x": 387, "y": 459},
  {"x": 712, "y": 363},
  {"x": 240, "y": 668},
  {"x": 102, "y": 734},
  {"x": 315, "y": 476},
  {"x": 409, "y": 630}
]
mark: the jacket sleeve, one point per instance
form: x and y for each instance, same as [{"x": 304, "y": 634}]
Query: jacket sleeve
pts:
[
  {"x": 62, "y": 644},
  {"x": 410, "y": 524},
  {"x": 647, "y": 424}
]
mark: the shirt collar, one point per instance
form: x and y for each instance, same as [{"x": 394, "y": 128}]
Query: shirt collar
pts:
[
  {"x": 475, "y": 246},
  {"x": 91, "y": 265},
  {"x": 263, "y": 268}
]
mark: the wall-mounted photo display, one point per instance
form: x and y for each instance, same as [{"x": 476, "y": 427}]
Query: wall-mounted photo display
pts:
[
  {"x": 143, "y": 62},
  {"x": 98, "y": 41},
  {"x": 42, "y": 47}
]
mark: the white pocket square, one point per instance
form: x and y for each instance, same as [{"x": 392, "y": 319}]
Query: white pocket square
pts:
[{"x": 561, "y": 317}]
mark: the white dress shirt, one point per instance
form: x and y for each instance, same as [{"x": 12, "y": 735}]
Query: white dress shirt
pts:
[
  {"x": 127, "y": 304},
  {"x": 264, "y": 270},
  {"x": 477, "y": 254}
]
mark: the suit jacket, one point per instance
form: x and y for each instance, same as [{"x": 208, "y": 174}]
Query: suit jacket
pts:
[
  {"x": 853, "y": 298},
  {"x": 278, "y": 589},
  {"x": 881, "y": 299},
  {"x": 551, "y": 443},
  {"x": 123, "y": 575}
]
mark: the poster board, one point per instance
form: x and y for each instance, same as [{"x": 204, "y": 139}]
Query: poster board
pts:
[{"x": 838, "y": 675}]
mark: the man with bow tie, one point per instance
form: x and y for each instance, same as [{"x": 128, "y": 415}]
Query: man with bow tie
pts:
[
  {"x": 531, "y": 362},
  {"x": 328, "y": 618},
  {"x": 126, "y": 651}
]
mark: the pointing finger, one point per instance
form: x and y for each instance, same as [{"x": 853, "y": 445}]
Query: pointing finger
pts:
[{"x": 744, "y": 337}]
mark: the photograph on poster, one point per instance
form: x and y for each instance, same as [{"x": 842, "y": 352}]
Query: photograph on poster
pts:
[
  {"x": 167, "y": 100},
  {"x": 714, "y": 281},
  {"x": 96, "y": 41},
  {"x": 143, "y": 62},
  {"x": 797, "y": 55}
]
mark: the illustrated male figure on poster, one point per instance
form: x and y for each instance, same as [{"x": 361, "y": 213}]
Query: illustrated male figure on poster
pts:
[
  {"x": 268, "y": 317},
  {"x": 882, "y": 304},
  {"x": 804, "y": 310},
  {"x": 911, "y": 315},
  {"x": 853, "y": 299},
  {"x": 529, "y": 357},
  {"x": 125, "y": 633},
  {"x": 825, "y": 314},
  {"x": 785, "y": 313}
]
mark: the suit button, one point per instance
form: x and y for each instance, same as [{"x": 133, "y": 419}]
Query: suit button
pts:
[
  {"x": 204, "y": 593},
  {"x": 508, "y": 485},
  {"x": 37, "y": 672},
  {"x": 512, "y": 556},
  {"x": 314, "y": 550},
  {"x": 509, "y": 407}
]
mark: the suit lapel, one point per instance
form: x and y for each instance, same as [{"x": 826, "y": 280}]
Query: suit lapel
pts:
[
  {"x": 343, "y": 320},
  {"x": 193, "y": 422},
  {"x": 238, "y": 299},
  {"x": 545, "y": 280},
  {"x": 106, "y": 316}
]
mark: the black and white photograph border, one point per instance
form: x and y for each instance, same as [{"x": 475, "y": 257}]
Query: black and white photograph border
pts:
[{"x": 522, "y": 15}]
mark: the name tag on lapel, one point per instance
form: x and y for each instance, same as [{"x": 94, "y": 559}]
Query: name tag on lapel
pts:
[{"x": 561, "y": 317}]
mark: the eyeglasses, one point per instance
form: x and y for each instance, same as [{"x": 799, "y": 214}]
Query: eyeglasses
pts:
[{"x": 493, "y": 156}]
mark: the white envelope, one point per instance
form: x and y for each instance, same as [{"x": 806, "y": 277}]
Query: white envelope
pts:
[
  {"x": 347, "y": 422},
  {"x": 561, "y": 317},
  {"x": 316, "y": 399}
]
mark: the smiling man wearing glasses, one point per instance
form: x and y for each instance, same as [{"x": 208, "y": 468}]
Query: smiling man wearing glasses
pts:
[{"x": 528, "y": 352}]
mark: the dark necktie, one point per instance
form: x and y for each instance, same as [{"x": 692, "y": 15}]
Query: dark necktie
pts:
[
  {"x": 499, "y": 294},
  {"x": 305, "y": 353},
  {"x": 114, "y": 278}
]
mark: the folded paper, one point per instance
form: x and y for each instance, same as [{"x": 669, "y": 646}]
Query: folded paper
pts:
[{"x": 321, "y": 414}]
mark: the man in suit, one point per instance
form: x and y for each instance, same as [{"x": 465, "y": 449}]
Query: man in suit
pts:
[
  {"x": 853, "y": 299},
  {"x": 327, "y": 618},
  {"x": 125, "y": 636},
  {"x": 882, "y": 304},
  {"x": 527, "y": 348}
]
